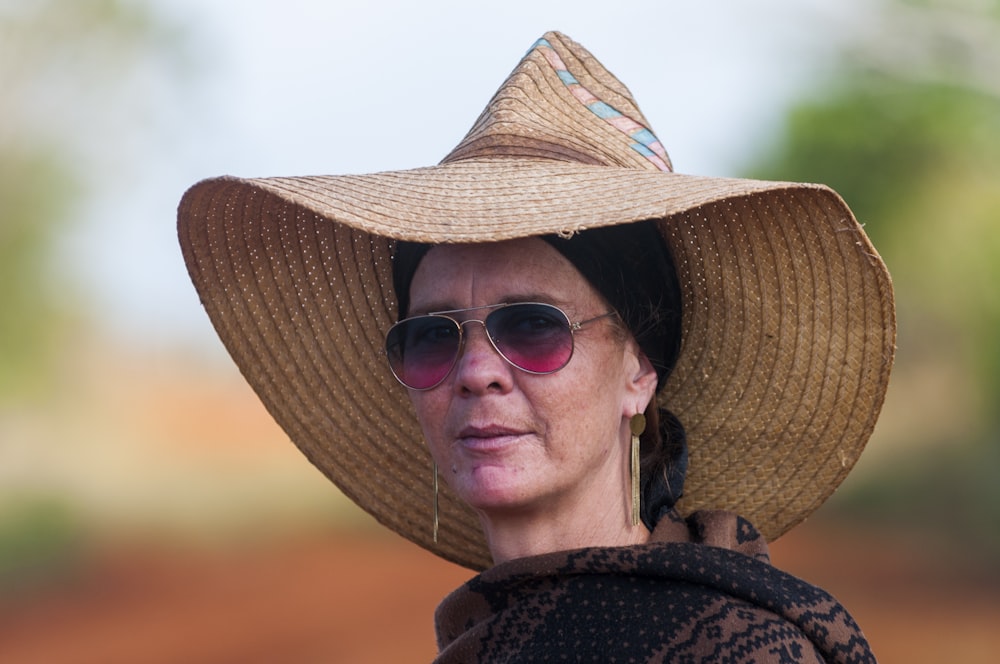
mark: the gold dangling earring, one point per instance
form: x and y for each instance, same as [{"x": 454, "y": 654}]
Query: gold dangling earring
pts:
[
  {"x": 637, "y": 425},
  {"x": 434, "y": 464}
]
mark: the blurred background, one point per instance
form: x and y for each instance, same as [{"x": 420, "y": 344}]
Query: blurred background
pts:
[{"x": 149, "y": 509}]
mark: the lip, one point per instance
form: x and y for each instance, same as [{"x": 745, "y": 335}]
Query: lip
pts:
[{"x": 488, "y": 438}]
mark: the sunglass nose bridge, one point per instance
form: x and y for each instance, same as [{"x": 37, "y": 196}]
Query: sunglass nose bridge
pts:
[
  {"x": 464, "y": 339},
  {"x": 463, "y": 323}
]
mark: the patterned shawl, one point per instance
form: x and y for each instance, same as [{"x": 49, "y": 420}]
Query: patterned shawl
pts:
[{"x": 703, "y": 590}]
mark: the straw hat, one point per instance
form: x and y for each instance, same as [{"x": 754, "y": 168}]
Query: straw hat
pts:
[{"x": 789, "y": 324}]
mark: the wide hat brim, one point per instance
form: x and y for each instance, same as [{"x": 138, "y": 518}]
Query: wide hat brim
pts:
[{"x": 788, "y": 329}]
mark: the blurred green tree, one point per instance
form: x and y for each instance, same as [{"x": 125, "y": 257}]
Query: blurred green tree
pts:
[
  {"x": 908, "y": 132},
  {"x": 74, "y": 75}
]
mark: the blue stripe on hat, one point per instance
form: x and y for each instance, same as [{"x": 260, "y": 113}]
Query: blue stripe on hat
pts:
[{"x": 603, "y": 110}]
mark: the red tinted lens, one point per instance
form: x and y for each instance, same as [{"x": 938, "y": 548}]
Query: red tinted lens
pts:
[
  {"x": 533, "y": 337},
  {"x": 422, "y": 350}
]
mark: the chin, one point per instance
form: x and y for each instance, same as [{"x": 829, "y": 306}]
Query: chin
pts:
[{"x": 495, "y": 489}]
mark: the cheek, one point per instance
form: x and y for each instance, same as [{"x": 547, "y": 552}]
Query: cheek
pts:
[
  {"x": 602, "y": 376},
  {"x": 430, "y": 414},
  {"x": 588, "y": 408}
]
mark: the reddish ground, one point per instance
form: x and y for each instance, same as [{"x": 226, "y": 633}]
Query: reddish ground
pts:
[{"x": 370, "y": 599}]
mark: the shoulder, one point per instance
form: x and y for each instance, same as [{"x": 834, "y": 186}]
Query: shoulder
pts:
[{"x": 662, "y": 601}]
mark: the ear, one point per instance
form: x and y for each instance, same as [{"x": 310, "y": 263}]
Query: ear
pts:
[{"x": 641, "y": 383}]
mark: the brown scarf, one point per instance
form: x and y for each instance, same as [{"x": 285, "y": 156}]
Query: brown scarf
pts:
[{"x": 703, "y": 590}]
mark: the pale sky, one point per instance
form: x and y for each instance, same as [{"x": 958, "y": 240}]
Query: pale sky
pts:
[{"x": 303, "y": 87}]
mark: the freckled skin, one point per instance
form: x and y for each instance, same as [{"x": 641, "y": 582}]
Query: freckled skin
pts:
[{"x": 542, "y": 458}]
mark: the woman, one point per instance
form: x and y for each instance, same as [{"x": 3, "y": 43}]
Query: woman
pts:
[{"x": 522, "y": 358}]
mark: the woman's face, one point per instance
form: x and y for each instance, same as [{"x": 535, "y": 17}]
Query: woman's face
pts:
[{"x": 506, "y": 440}]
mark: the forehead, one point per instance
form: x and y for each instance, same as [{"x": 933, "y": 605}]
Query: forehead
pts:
[{"x": 473, "y": 274}]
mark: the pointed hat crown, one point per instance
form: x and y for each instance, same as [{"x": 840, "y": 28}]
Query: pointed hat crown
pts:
[{"x": 560, "y": 103}]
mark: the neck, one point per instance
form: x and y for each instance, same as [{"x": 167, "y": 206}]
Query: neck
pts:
[{"x": 602, "y": 520}]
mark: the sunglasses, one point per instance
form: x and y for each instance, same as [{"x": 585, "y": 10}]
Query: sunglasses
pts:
[{"x": 534, "y": 337}]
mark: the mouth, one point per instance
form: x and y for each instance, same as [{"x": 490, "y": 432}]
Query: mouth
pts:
[{"x": 488, "y": 438}]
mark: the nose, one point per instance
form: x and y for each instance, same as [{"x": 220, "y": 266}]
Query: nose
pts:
[{"x": 480, "y": 368}]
